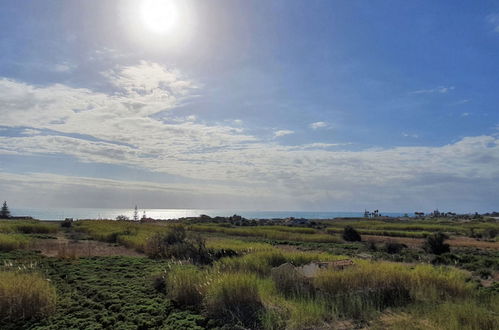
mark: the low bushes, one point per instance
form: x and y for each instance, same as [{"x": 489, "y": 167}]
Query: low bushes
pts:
[{"x": 25, "y": 296}]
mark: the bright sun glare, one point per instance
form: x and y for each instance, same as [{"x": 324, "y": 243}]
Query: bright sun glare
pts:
[{"x": 159, "y": 16}]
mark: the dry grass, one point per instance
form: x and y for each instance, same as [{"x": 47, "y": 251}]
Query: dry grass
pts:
[
  {"x": 25, "y": 296},
  {"x": 64, "y": 248}
]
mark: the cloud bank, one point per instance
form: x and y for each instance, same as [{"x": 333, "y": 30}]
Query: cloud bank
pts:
[{"x": 132, "y": 123}]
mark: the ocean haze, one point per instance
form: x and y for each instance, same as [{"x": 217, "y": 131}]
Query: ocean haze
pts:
[{"x": 102, "y": 213}]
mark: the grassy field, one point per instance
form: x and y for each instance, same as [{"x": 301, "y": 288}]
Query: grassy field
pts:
[{"x": 224, "y": 276}]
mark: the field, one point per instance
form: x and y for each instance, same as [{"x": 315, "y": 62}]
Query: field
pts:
[{"x": 207, "y": 274}]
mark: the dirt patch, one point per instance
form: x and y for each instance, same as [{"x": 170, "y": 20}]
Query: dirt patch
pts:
[
  {"x": 418, "y": 242},
  {"x": 62, "y": 247}
]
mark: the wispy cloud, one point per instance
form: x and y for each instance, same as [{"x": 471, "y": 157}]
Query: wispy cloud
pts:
[
  {"x": 283, "y": 132},
  {"x": 436, "y": 90},
  {"x": 318, "y": 124},
  {"x": 460, "y": 102},
  {"x": 123, "y": 128},
  {"x": 408, "y": 135},
  {"x": 493, "y": 19}
]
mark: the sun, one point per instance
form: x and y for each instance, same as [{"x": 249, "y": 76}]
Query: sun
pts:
[{"x": 159, "y": 16}]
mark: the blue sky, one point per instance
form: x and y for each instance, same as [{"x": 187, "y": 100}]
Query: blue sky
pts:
[{"x": 270, "y": 105}]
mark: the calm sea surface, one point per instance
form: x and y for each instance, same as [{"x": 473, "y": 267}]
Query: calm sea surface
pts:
[{"x": 90, "y": 213}]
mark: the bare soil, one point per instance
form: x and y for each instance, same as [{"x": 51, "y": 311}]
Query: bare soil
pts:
[{"x": 63, "y": 247}]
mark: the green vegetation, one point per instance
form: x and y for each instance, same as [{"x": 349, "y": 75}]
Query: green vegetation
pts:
[
  {"x": 25, "y": 296},
  {"x": 414, "y": 228},
  {"x": 269, "y": 232},
  {"x": 435, "y": 244},
  {"x": 27, "y": 227},
  {"x": 351, "y": 235},
  {"x": 4, "y": 211},
  {"x": 225, "y": 276},
  {"x": 13, "y": 242}
]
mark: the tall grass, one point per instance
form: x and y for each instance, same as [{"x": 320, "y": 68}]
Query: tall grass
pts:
[
  {"x": 184, "y": 284},
  {"x": 9, "y": 242},
  {"x": 234, "y": 298},
  {"x": 382, "y": 232},
  {"x": 372, "y": 286},
  {"x": 130, "y": 234},
  {"x": 467, "y": 314},
  {"x": 27, "y": 227},
  {"x": 239, "y": 246},
  {"x": 262, "y": 262},
  {"x": 239, "y": 290},
  {"x": 280, "y": 233},
  {"x": 25, "y": 296},
  {"x": 378, "y": 226}
]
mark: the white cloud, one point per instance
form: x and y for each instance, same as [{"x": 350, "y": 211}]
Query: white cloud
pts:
[
  {"x": 465, "y": 114},
  {"x": 283, "y": 132},
  {"x": 436, "y": 90},
  {"x": 318, "y": 124},
  {"x": 125, "y": 129},
  {"x": 460, "y": 102},
  {"x": 414, "y": 136},
  {"x": 63, "y": 67},
  {"x": 493, "y": 19}
]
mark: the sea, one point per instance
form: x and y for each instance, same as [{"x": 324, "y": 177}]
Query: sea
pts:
[{"x": 168, "y": 214}]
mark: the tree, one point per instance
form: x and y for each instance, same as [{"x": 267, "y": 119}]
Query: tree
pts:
[
  {"x": 435, "y": 244},
  {"x": 136, "y": 214},
  {"x": 4, "y": 212},
  {"x": 351, "y": 235}
]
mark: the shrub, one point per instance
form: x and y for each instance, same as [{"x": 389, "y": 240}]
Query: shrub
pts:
[
  {"x": 491, "y": 233},
  {"x": 174, "y": 244},
  {"x": 394, "y": 248},
  {"x": 234, "y": 298},
  {"x": 435, "y": 244},
  {"x": 67, "y": 223},
  {"x": 25, "y": 296},
  {"x": 351, "y": 235}
]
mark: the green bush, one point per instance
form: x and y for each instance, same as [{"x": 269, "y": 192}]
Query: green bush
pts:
[
  {"x": 435, "y": 244},
  {"x": 351, "y": 235}
]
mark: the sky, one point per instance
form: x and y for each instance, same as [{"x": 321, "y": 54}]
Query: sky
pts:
[{"x": 251, "y": 105}]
